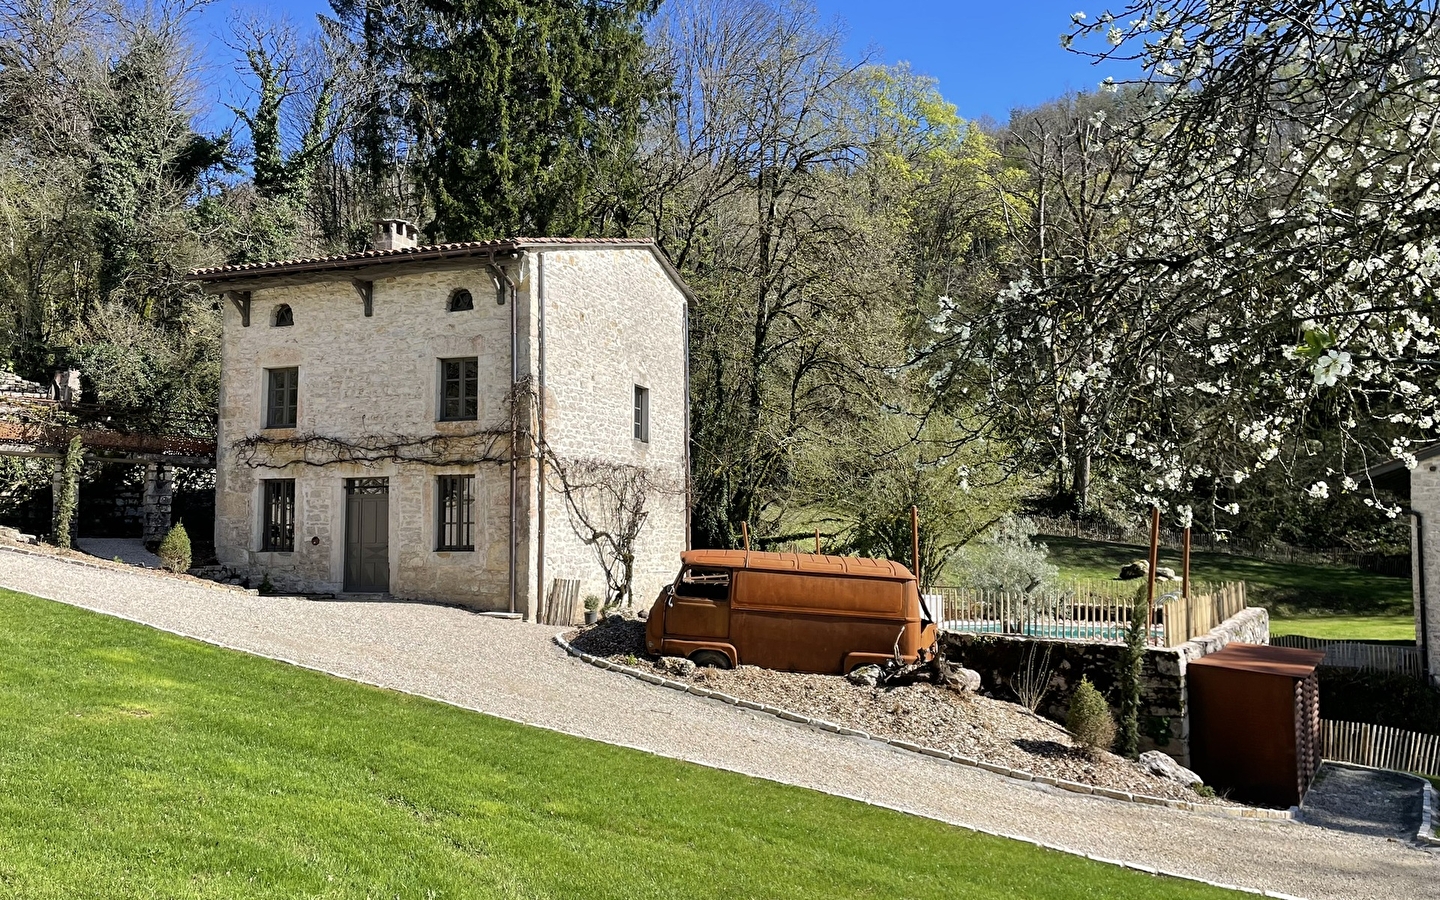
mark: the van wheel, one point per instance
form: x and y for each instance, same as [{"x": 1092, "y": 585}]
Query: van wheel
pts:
[{"x": 711, "y": 658}]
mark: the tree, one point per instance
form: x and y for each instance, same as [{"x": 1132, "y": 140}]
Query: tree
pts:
[
  {"x": 1284, "y": 163},
  {"x": 748, "y": 191},
  {"x": 868, "y": 484},
  {"x": 293, "y": 127},
  {"x": 523, "y": 114}
]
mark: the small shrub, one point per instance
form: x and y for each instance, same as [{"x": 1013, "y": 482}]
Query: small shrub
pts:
[
  {"x": 174, "y": 550},
  {"x": 265, "y": 586},
  {"x": 1089, "y": 719},
  {"x": 592, "y": 602},
  {"x": 1009, "y": 560}
]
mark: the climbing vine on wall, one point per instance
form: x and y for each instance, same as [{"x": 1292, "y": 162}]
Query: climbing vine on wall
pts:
[
  {"x": 69, "y": 493},
  {"x": 261, "y": 451},
  {"x": 608, "y": 504}
]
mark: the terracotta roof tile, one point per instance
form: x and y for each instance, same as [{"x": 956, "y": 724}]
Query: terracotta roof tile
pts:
[{"x": 378, "y": 257}]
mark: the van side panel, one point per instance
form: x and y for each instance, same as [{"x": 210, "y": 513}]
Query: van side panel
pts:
[
  {"x": 820, "y": 594},
  {"x": 810, "y": 623}
]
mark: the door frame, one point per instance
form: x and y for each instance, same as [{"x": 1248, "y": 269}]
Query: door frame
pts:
[{"x": 375, "y": 485}]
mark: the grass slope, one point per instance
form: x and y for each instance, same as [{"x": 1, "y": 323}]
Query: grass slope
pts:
[
  {"x": 137, "y": 764},
  {"x": 1314, "y": 600}
]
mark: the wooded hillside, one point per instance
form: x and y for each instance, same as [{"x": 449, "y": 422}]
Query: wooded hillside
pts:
[{"x": 1210, "y": 289}]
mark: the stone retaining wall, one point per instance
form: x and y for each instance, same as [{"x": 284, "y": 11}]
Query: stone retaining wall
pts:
[{"x": 1164, "y": 717}]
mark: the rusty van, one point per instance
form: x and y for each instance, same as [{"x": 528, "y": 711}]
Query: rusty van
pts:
[{"x": 796, "y": 612}]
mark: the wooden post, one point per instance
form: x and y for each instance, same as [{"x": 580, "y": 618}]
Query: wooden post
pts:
[
  {"x": 1154, "y": 562},
  {"x": 915, "y": 541},
  {"x": 817, "y": 541},
  {"x": 1185, "y": 567},
  {"x": 745, "y": 535}
]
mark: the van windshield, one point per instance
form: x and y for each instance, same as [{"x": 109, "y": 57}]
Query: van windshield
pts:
[{"x": 704, "y": 584}]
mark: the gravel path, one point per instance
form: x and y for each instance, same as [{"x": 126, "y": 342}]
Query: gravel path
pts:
[
  {"x": 512, "y": 669},
  {"x": 128, "y": 550},
  {"x": 1365, "y": 801},
  {"x": 967, "y": 725}
]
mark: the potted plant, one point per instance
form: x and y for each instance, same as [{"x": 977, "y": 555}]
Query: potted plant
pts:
[{"x": 592, "y": 609}]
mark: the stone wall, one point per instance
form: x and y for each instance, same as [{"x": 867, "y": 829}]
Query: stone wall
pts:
[
  {"x": 1425, "y": 500},
  {"x": 613, "y": 322},
  {"x": 1164, "y": 721},
  {"x": 613, "y": 319}
]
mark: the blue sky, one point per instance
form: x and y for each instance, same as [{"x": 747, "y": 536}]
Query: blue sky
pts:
[{"x": 989, "y": 56}]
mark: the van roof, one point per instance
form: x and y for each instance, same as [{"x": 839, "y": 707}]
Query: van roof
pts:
[{"x": 814, "y": 563}]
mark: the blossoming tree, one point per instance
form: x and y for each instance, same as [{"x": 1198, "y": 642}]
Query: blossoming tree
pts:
[{"x": 1271, "y": 300}]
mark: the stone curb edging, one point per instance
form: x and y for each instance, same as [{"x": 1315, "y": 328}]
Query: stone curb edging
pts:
[
  {"x": 128, "y": 569},
  {"x": 1017, "y": 774},
  {"x": 1244, "y": 812},
  {"x": 1426, "y": 834}
]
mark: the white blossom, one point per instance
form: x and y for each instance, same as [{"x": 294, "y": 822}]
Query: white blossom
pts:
[{"x": 1331, "y": 367}]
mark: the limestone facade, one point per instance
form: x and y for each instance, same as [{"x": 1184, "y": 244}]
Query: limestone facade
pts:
[
  {"x": 1425, "y": 558},
  {"x": 593, "y": 320}
]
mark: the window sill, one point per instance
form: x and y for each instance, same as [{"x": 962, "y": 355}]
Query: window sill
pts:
[{"x": 279, "y": 428}]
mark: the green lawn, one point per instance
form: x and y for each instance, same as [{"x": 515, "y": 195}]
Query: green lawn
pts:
[
  {"x": 1318, "y": 601},
  {"x": 137, "y": 764},
  {"x": 1350, "y": 628}
]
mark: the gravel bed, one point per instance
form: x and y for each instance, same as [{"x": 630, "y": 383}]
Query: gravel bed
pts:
[
  {"x": 515, "y": 670},
  {"x": 977, "y": 727}
]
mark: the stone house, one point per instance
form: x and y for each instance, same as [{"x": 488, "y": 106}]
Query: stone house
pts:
[
  {"x": 410, "y": 420},
  {"x": 1418, "y": 490}
]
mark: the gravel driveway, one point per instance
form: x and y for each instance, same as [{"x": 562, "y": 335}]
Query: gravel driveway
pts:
[
  {"x": 513, "y": 670},
  {"x": 1365, "y": 801}
]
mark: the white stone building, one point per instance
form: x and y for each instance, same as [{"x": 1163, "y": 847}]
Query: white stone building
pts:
[
  {"x": 1419, "y": 488},
  {"x": 379, "y": 430}
]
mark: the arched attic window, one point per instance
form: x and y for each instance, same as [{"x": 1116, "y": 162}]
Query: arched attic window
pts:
[
  {"x": 461, "y": 301},
  {"x": 284, "y": 316}
]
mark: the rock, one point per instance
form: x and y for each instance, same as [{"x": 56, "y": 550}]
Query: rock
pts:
[
  {"x": 1165, "y": 573},
  {"x": 967, "y": 680},
  {"x": 865, "y": 676},
  {"x": 613, "y": 618},
  {"x": 677, "y": 665},
  {"x": 1162, "y": 766},
  {"x": 1137, "y": 569}
]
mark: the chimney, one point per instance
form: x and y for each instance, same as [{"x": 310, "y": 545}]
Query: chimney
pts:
[{"x": 394, "y": 234}]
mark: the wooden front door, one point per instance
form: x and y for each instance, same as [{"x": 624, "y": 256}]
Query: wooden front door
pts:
[{"x": 367, "y": 535}]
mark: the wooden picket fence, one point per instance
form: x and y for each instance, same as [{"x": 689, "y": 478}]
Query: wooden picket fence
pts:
[
  {"x": 1380, "y": 747},
  {"x": 1080, "y": 612},
  {"x": 1097, "y": 611},
  {"x": 1359, "y": 654},
  {"x": 562, "y": 605},
  {"x": 1185, "y": 618}
]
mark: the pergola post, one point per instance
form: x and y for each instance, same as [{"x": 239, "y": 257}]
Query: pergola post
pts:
[{"x": 155, "y": 503}]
